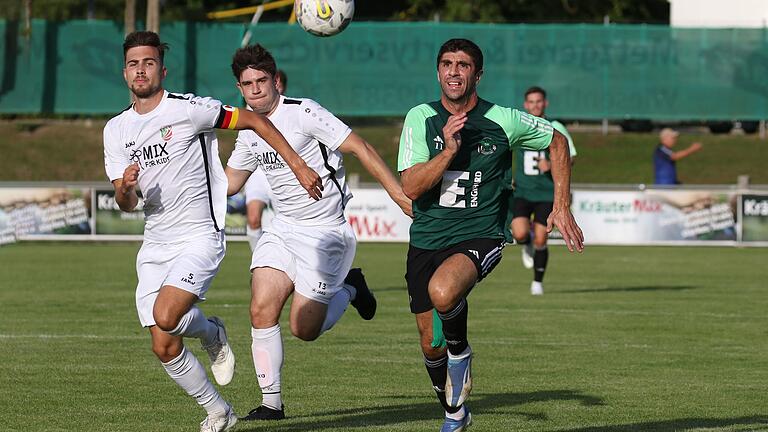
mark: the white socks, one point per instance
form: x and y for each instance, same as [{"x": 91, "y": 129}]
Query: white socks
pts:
[
  {"x": 458, "y": 415},
  {"x": 337, "y": 306},
  {"x": 267, "y": 350},
  {"x": 195, "y": 324},
  {"x": 190, "y": 375}
]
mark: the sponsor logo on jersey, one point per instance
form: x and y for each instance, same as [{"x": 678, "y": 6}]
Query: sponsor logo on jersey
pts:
[
  {"x": 270, "y": 161},
  {"x": 486, "y": 146},
  {"x": 151, "y": 155},
  {"x": 130, "y": 144},
  {"x": 166, "y": 133}
]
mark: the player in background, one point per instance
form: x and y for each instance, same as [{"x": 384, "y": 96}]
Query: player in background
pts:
[
  {"x": 454, "y": 155},
  {"x": 257, "y": 191},
  {"x": 534, "y": 193},
  {"x": 309, "y": 247},
  {"x": 165, "y": 145}
]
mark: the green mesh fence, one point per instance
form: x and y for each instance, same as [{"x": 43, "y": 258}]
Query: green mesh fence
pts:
[{"x": 589, "y": 71}]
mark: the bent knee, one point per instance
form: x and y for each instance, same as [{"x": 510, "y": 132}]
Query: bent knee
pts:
[
  {"x": 442, "y": 298},
  {"x": 165, "y": 321},
  {"x": 305, "y": 334}
]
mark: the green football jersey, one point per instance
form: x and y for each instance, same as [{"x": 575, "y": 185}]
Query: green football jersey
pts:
[
  {"x": 530, "y": 183},
  {"x": 467, "y": 203}
]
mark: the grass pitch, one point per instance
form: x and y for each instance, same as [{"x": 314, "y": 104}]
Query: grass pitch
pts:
[{"x": 624, "y": 339}]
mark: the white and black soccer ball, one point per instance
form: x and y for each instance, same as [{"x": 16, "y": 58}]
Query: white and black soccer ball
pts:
[{"x": 324, "y": 17}]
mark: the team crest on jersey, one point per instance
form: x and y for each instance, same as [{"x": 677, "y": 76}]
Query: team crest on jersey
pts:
[
  {"x": 486, "y": 146},
  {"x": 166, "y": 133}
]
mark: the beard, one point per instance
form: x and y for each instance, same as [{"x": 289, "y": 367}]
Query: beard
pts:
[{"x": 145, "y": 92}]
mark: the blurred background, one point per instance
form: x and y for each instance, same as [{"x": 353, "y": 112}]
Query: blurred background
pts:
[{"x": 616, "y": 72}]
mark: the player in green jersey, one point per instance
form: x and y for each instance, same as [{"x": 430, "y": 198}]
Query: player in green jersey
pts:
[
  {"x": 534, "y": 194},
  {"x": 454, "y": 156}
]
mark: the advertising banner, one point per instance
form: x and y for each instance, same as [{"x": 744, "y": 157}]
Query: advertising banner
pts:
[
  {"x": 27, "y": 212},
  {"x": 656, "y": 215},
  {"x": 754, "y": 218},
  {"x": 375, "y": 217},
  {"x": 113, "y": 221}
]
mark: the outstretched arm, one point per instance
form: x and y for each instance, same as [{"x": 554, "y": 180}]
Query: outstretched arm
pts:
[
  {"x": 260, "y": 124},
  {"x": 561, "y": 216},
  {"x": 693, "y": 148},
  {"x": 373, "y": 163}
]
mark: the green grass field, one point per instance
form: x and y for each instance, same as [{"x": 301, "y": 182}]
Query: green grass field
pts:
[
  {"x": 625, "y": 339},
  {"x": 614, "y": 158}
]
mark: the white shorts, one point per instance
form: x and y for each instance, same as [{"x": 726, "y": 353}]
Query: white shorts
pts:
[
  {"x": 257, "y": 188},
  {"x": 316, "y": 258},
  {"x": 189, "y": 265}
]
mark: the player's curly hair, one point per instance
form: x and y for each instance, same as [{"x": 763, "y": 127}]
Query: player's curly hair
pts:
[
  {"x": 145, "y": 38},
  {"x": 465, "y": 45},
  {"x": 253, "y": 57}
]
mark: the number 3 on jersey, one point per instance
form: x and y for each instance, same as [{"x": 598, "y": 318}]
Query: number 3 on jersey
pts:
[
  {"x": 531, "y": 162},
  {"x": 454, "y": 196}
]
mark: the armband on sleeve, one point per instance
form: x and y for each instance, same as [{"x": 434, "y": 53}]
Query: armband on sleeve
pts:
[{"x": 227, "y": 117}]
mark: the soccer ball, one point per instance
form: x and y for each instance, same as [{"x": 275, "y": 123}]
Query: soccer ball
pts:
[{"x": 324, "y": 17}]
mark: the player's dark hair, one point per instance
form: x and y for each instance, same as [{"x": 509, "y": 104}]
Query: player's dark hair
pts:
[
  {"x": 283, "y": 78},
  {"x": 253, "y": 57},
  {"x": 535, "y": 89},
  {"x": 465, "y": 45},
  {"x": 145, "y": 38}
]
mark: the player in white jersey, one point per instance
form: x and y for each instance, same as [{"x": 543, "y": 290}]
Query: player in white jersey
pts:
[
  {"x": 309, "y": 247},
  {"x": 164, "y": 144},
  {"x": 256, "y": 189}
]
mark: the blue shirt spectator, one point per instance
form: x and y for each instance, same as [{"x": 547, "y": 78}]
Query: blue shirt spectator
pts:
[
  {"x": 664, "y": 169},
  {"x": 664, "y": 158}
]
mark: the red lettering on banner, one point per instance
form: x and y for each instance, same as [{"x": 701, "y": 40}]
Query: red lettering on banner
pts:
[
  {"x": 646, "y": 206},
  {"x": 372, "y": 227}
]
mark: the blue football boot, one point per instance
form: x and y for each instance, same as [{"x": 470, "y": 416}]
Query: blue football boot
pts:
[{"x": 451, "y": 425}]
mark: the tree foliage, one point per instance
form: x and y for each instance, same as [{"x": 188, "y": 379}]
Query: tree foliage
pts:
[
  {"x": 537, "y": 11},
  {"x": 495, "y": 11}
]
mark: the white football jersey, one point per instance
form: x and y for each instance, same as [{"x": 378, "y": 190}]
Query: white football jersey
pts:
[
  {"x": 180, "y": 173},
  {"x": 315, "y": 134}
]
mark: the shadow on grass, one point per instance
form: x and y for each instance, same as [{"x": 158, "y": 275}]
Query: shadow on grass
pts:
[
  {"x": 630, "y": 289},
  {"x": 403, "y": 413},
  {"x": 681, "y": 424}
]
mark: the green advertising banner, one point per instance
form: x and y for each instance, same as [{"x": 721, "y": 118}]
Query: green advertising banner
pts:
[{"x": 754, "y": 218}]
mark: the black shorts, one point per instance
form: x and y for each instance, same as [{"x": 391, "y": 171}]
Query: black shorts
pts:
[
  {"x": 521, "y": 207},
  {"x": 422, "y": 263}
]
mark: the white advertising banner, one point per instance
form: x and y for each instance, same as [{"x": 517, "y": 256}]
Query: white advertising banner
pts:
[
  {"x": 375, "y": 217},
  {"x": 656, "y": 216}
]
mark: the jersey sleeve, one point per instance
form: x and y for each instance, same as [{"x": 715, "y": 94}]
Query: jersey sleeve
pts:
[
  {"x": 523, "y": 130},
  {"x": 207, "y": 113},
  {"x": 116, "y": 159},
  {"x": 242, "y": 158},
  {"x": 319, "y": 123},
  {"x": 561, "y": 128},
  {"x": 529, "y": 132},
  {"x": 413, "y": 147}
]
